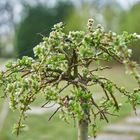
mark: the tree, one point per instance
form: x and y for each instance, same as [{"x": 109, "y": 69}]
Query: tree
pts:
[
  {"x": 7, "y": 24},
  {"x": 66, "y": 58},
  {"x": 82, "y": 14},
  {"x": 7, "y": 17},
  {"x": 37, "y": 22}
]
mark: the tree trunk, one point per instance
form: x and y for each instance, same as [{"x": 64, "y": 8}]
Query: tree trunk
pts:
[{"x": 83, "y": 130}]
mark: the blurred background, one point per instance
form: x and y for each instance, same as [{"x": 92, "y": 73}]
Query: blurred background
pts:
[
  {"x": 24, "y": 22},
  {"x": 22, "y": 25}
]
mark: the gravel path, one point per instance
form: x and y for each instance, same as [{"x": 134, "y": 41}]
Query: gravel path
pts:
[
  {"x": 114, "y": 137},
  {"x": 128, "y": 129}
]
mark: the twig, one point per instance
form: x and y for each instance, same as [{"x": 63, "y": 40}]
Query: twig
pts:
[
  {"x": 54, "y": 113},
  {"x": 64, "y": 88},
  {"x": 101, "y": 68}
]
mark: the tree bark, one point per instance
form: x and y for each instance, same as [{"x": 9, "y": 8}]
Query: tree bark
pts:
[{"x": 83, "y": 130}]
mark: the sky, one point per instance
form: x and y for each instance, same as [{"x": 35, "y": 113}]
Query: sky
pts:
[
  {"x": 124, "y": 3},
  {"x": 127, "y": 3}
]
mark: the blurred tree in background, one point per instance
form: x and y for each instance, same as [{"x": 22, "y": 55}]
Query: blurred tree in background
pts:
[
  {"x": 77, "y": 20},
  {"x": 130, "y": 20},
  {"x": 0, "y": 49},
  {"x": 6, "y": 27},
  {"x": 111, "y": 12},
  {"x": 38, "y": 21}
]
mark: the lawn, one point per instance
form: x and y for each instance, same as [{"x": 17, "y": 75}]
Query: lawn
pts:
[{"x": 39, "y": 128}]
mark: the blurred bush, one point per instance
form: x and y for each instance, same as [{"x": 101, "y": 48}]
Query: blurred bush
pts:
[
  {"x": 130, "y": 21},
  {"x": 37, "y": 21},
  {"x": 111, "y": 11}
]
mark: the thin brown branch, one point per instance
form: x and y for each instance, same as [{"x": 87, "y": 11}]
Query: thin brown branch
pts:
[
  {"x": 105, "y": 91},
  {"x": 54, "y": 113},
  {"x": 45, "y": 104},
  {"x": 113, "y": 55},
  {"x": 101, "y": 68},
  {"x": 103, "y": 116},
  {"x": 64, "y": 88}
]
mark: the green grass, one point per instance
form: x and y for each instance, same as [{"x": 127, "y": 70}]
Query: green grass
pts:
[
  {"x": 138, "y": 137},
  {"x": 40, "y": 129}
]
